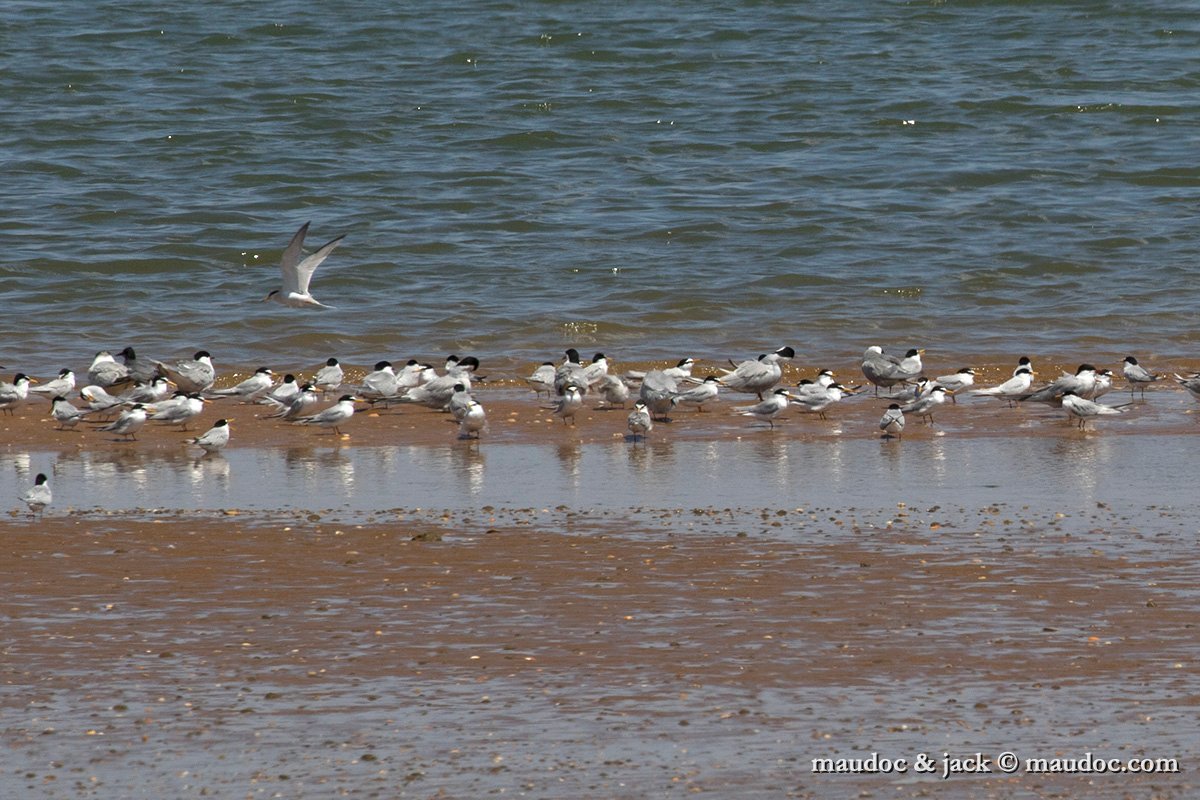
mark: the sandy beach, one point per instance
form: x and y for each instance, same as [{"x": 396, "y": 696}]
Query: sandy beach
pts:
[{"x": 602, "y": 651}]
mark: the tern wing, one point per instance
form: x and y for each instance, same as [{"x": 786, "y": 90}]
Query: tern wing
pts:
[{"x": 304, "y": 270}]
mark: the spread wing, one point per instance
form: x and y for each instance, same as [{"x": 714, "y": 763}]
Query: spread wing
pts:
[{"x": 296, "y": 268}]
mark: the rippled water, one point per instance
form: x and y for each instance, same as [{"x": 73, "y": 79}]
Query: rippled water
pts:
[{"x": 646, "y": 178}]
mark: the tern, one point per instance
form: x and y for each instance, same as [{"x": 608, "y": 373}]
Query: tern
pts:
[
  {"x": 1191, "y": 383},
  {"x": 1083, "y": 409},
  {"x": 892, "y": 422},
  {"x": 757, "y": 376},
  {"x": 329, "y": 377},
  {"x": 250, "y": 389},
  {"x": 129, "y": 423},
  {"x": 613, "y": 391},
  {"x": 297, "y": 270},
  {"x": 657, "y": 390},
  {"x": 570, "y": 373},
  {"x": 817, "y": 402},
  {"x": 1138, "y": 376},
  {"x": 1011, "y": 389},
  {"x": 568, "y": 404},
  {"x": 542, "y": 378},
  {"x": 962, "y": 379},
  {"x": 157, "y": 388},
  {"x": 298, "y": 404},
  {"x": 697, "y": 396},
  {"x": 281, "y": 395},
  {"x": 639, "y": 421},
  {"x": 39, "y": 495},
  {"x": 775, "y": 404},
  {"x": 473, "y": 421},
  {"x": 64, "y": 384},
  {"x": 334, "y": 416},
  {"x": 197, "y": 375},
  {"x": 214, "y": 439},
  {"x": 924, "y": 406},
  {"x": 15, "y": 393},
  {"x": 106, "y": 372},
  {"x": 98, "y": 399},
  {"x": 181, "y": 412},
  {"x": 1082, "y": 383},
  {"x": 65, "y": 414}
]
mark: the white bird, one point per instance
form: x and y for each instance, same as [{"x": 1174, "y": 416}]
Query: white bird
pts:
[
  {"x": 98, "y": 399},
  {"x": 1104, "y": 379},
  {"x": 38, "y": 496},
  {"x": 775, "y": 404},
  {"x": 300, "y": 402},
  {"x": 817, "y": 402},
  {"x": 705, "y": 392},
  {"x": 1011, "y": 389},
  {"x": 197, "y": 375},
  {"x": 297, "y": 269},
  {"x": 329, "y": 377},
  {"x": 912, "y": 393},
  {"x": 473, "y": 421},
  {"x": 334, "y": 416},
  {"x": 1083, "y": 409},
  {"x": 282, "y": 395},
  {"x": 570, "y": 373},
  {"x": 612, "y": 390},
  {"x": 892, "y": 421},
  {"x": 1138, "y": 376},
  {"x": 1082, "y": 383},
  {"x": 106, "y": 372},
  {"x": 924, "y": 406},
  {"x": 542, "y": 379},
  {"x": 757, "y": 376},
  {"x": 597, "y": 369},
  {"x": 459, "y": 402},
  {"x": 181, "y": 412},
  {"x": 569, "y": 403},
  {"x": 436, "y": 393},
  {"x": 215, "y": 438},
  {"x": 64, "y": 384},
  {"x": 960, "y": 380},
  {"x": 639, "y": 421},
  {"x": 657, "y": 390},
  {"x": 886, "y": 371},
  {"x": 15, "y": 393},
  {"x": 129, "y": 423},
  {"x": 156, "y": 389},
  {"x": 380, "y": 383},
  {"x": 1192, "y": 384},
  {"x": 250, "y": 389},
  {"x": 65, "y": 414}
]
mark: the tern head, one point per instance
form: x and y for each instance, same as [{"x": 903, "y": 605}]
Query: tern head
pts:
[
  {"x": 598, "y": 357},
  {"x": 201, "y": 355},
  {"x": 1085, "y": 368},
  {"x": 263, "y": 371},
  {"x": 785, "y": 352},
  {"x": 384, "y": 365},
  {"x": 572, "y": 355},
  {"x": 469, "y": 362},
  {"x": 333, "y": 362},
  {"x": 685, "y": 362},
  {"x": 221, "y": 423},
  {"x": 1131, "y": 361},
  {"x": 711, "y": 379}
]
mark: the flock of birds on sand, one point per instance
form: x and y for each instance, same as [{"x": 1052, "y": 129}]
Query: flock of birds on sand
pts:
[
  {"x": 123, "y": 396},
  {"x": 174, "y": 394}
]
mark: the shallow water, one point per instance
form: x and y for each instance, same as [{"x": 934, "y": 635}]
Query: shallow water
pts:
[{"x": 1145, "y": 476}]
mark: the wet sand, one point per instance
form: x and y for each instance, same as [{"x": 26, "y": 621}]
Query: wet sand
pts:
[{"x": 630, "y": 653}]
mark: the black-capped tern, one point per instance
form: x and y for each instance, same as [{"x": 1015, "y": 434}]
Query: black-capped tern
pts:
[
  {"x": 1082, "y": 383},
  {"x": 38, "y": 496},
  {"x": 612, "y": 390},
  {"x": 64, "y": 384},
  {"x": 1138, "y": 376},
  {"x": 129, "y": 423},
  {"x": 296, "y": 269},
  {"x": 1082, "y": 409},
  {"x": 298, "y": 404},
  {"x": 706, "y": 392},
  {"x": 892, "y": 421},
  {"x": 925, "y": 405},
  {"x": 197, "y": 375},
  {"x": 757, "y": 376},
  {"x": 154, "y": 390},
  {"x": 15, "y": 393},
  {"x": 215, "y": 438},
  {"x": 66, "y": 415},
  {"x": 329, "y": 377},
  {"x": 1011, "y": 389},
  {"x": 250, "y": 389},
  {"x": 956, "y": 382},
  {"x": 569, "y": 404},
  {"x": 181, "y": 412},
  {"x": 106, "y": 372},
  {"x": 541, "y": 380},
  {"x": 770, "y": 408},
  {"x": 334, "y": 416}
]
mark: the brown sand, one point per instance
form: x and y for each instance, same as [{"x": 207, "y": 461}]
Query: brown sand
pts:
[{"x": 257, "y": 657}]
